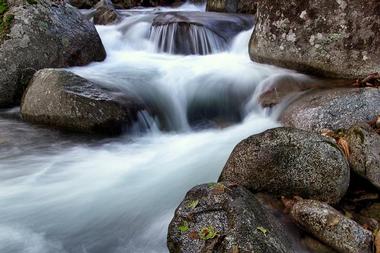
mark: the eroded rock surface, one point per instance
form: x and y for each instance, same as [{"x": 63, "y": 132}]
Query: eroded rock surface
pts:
[
  {"x": 289, "y": 162},
  {"x": 332, "y": 38}
]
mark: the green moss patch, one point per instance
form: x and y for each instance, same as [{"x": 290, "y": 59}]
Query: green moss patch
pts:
[{"x": 5, "y": 19}]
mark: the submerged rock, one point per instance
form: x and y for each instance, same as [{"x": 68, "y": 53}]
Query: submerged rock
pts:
[
  {"x": 64, "y": 100},
  {"x": 233, "y": 6},
  {"x": 289, "y": 162},
  {"x": 331, "y": 227},
  {"x": 43, "y": 34},
  {"x": 225, "y": 218},
  {"x": 332, "y": 108},
  {"x": 364, "y": 157},
  {"x": 197, "y": 32},
  {"x": 339, "y": 39}
]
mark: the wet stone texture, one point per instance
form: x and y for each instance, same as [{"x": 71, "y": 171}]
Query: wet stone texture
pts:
[
  {"x": 364, "y": 157},
  {"x": 331, "y": 227},
  {"x": 289, "y": 162},
  {"x": 43, "y": 34},
  {"x": 233, "y": 6},
  {"x": 332, "y": 108},
  {"x": 332, "y": 38},
  {"x": 224, "y": 217},
  {"x": 61, "y": 99}
]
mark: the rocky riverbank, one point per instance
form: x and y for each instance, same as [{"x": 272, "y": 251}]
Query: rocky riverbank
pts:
[{"x": 323, "y": 170}]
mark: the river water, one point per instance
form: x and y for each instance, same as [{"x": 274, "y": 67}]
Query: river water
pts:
[{"x": 61, "y": 192}]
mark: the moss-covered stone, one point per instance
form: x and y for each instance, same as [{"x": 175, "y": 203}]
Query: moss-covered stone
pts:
[{"x": 5, "y": 19}]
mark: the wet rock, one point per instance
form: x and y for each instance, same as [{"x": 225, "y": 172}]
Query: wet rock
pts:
[
  {"x": 189, "y": 31},
  {"x": 64, "y": 100},
  {"x": 331, "y": 227},
  {"x": 372, "y": 211},
  {"x": 289, "y": 162},
  {"x": 83, "y": 4},
  {"x": 339, "y": 39},
  {"x": 332, "y": 108},
  {"x": 233, "y": 6},
  {"x": 364, "y": 158},
  {"x": 224, "y": 218},
  {"x": 106, "y": 15},
  {"x": 43, "y": 34}
]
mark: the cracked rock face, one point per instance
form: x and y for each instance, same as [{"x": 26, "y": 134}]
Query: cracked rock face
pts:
[
  {"x": 331, "y": 38},
  {"x": 225, "y": 217},
  {"x": 289, "y": 162},
  {"x": 64, "y": 100},
  {"x": 331, "y": 227},
  {"x": 44, "y": 35}
]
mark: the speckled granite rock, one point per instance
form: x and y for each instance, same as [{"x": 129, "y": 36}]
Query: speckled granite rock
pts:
[
  {"x": 331, "y": 227},
  {"x": 225, "y": 217},
  {"x": 43, "y": 35},
  {"x": 333, "y": 38},
  {"x": 364, "y": 156},
  {"x": 61, "y": 99},
  {"x": 332, "y": 108},
  {"x": 289, "y": 162}
]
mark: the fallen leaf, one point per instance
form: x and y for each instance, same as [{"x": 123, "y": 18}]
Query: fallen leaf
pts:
[
  {"x": 262, "y": 230},
  {"x": 333, "y": 220},
  {"x": 344, "y": 145},
  {"x": 207, "y": 233},
  {"x": 193, "y": 204},
  {"x": 193, "y": 235},
  {"x": 235, "y": 248},
  {"x": 184, "y": 227}
]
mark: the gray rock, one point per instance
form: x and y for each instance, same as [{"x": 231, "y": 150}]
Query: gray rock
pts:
[
  {"x": 332, "y": 108},
  {"x": 331, "y": 227},
  {"x": 289, "y": 162},
  {"x": 106, "y": 15},
  {"x": 339, "y": 39},
  {"x": 232, "y": 216},
  {"x": 43, "y": 35},
  {"x": 63, "y": 100},
  {"x": 233, "y": 6},
  {"x": 364, "y": 156}
]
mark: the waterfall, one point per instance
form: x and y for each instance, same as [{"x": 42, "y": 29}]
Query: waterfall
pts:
[{"x": 183, "y": 38}]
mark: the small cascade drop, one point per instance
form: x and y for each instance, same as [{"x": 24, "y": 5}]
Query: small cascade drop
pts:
[{"x": 184, "y": 38}]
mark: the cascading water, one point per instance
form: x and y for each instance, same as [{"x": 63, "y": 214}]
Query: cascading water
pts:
[
  {"x": 169, "y": 38},
  {"x": 71, "y": 194}
]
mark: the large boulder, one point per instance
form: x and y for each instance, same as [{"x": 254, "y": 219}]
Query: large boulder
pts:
[
  {"x": 106, "y": 15},
  {"x": 225, "y": 217},
  {"x": 61, "y": 99},
  {"x": 233, "y": 6},
  {"x": 331, "y": 227},
  {"x": 197, "y": 32},
  {"x": 289, "y": 162},
  {"x": 339, "y": 39},
  {"x": 364, "y": 156},
  {"x": 332, "y": 108},
  {"x": 43, "y": 34}
]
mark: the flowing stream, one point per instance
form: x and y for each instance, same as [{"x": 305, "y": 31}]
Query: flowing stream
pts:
[{"x": 77, "y": 194}]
